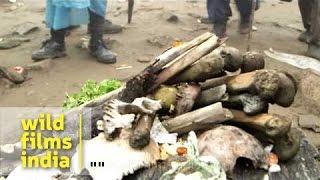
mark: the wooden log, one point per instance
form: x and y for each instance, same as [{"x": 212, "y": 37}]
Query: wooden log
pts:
[
  {"x": 175, "y": 52},
  {"x": 272, "y": 126},
  {"x": 199, "y": 119},
  {"x": 188, "y": 93},
  {"x": 185, "y": 61},
  {"x": 140, "y": 137}
]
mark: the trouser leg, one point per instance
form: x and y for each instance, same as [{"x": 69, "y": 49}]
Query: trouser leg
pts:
[
  {"x": 314, "y": 45},
  {"x": 58, "y": 35},
  {"x": 96, "y": 45},
  {"x": 219, "y": 10},
  {"x": 244, "y": 8},
  {"x": 315, "y": 22},
  {"x": 52, "y": 48},
  {"x": 95, "y": 28},
  {"x": 305, "y": 7}
]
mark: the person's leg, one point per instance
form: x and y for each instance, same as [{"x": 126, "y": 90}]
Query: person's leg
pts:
[
  {"x": 55, "y": 46},
  {"x": 314, "y": 46},
  {"x": 244, "y": 8},
  {"x": 219, "y": 12},
  {"x": 305, "y": 7},
  {"x": 96, "y": 27}
]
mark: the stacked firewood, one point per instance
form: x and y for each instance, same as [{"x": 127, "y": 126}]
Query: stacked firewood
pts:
[{"x": 203, "y": 83}]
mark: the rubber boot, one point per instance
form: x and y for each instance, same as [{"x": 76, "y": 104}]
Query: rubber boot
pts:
[
  {"x": 53, "y": 47},
  {"x": 220, "y": 29},
  {"x": 305, "y": 37},
  {"x": 314, "y": 51},
  {"x": 111, "y": 28},
  {"x": 97, "y": 47}
]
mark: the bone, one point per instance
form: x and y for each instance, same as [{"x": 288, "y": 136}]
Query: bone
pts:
[
  {"x": 248, "y": 103},
  {"x": 140, "y": 137},
  {"x": 186, "y": 98},
  {"x": 202, "y": 118},
  {"x": 272, "y": 126}
]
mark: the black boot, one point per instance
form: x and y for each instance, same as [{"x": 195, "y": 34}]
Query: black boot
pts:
[
  {"x": 305, "y": 37},
  {"x": 97, "y": 47},
  {"x": 220, "y": 29},
  {"x": 111, "y": 28},
  {"x": 314, "y": 50},
  {"x": 53, "y": 47}
]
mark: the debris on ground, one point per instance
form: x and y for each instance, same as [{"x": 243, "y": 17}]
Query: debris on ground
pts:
[
  {"x": 44, "y": 65},
  {"x": 160, "y": 41},
  {"x": 24, "y": 28},
  {"x": 127, "y": 159},
  {"x": 228, "y": 143},
  {"x": 170, "y": 17},
  {"x": 11, "y": 41},
  {"x": 144, "y": 59},
  {"x": 216, "y": 94},
  {"x": 299, "y": 61},
  {"x": 310, "y": 122},
  {"x": 16, "y": 74}
]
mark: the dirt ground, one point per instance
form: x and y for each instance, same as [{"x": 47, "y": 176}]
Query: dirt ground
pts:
[{"x": 278, "y": 26}]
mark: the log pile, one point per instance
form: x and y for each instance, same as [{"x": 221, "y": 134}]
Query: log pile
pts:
[{"x": 203, "y": 84}]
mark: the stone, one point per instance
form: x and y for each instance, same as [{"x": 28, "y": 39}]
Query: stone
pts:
[
  {"x": 310, "y": 91},
  {"x": 160, "y": 41},
  {"x": 8, "y": 42},
  {"x": 25, "y": 28},
  {"x": 310, "y": 122},
  {"x": 170, "y": 17},
  {"x": 144, "y": 59},
  {"x": 40, "y": 66}
]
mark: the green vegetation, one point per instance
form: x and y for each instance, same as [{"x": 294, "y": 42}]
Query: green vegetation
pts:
[{"x": 89, "y": 91}]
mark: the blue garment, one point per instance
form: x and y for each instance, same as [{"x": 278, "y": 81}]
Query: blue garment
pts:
[
  {"x": 219, "y": 10},
  {"x": 65, "y": 13}
]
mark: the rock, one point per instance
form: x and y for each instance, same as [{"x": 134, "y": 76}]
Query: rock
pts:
[
  {"x": 194, "y": 15},
  {"x": 310, "y": 91},
  {"x": 16, "y": 74},
  {"x": 11, "y": 41},
  {"x": 160, "y": 41},
  {"x": 40, "y": 66},
  {"x": 170, "y": 17},
  {"x": 144, "y": 59},
  {"x": 310, "y": 122},
  {"x": 25, "y": 28}
]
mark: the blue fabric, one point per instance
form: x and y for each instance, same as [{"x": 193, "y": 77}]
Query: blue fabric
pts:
[
  {"x": 65, "y": 13},
  {"x": 219, "y": 10}
]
